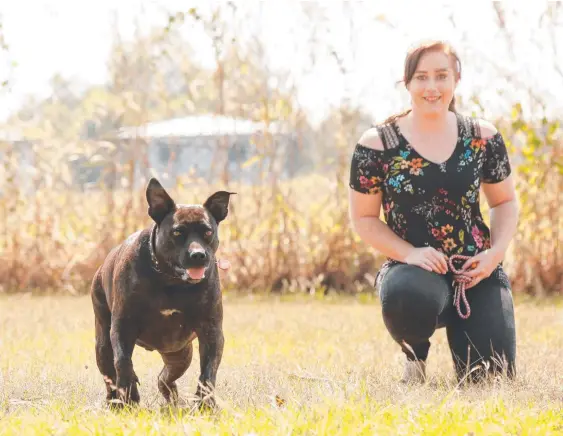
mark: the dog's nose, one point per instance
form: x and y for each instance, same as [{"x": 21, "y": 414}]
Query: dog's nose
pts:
[{"x": 198, "y": 255}]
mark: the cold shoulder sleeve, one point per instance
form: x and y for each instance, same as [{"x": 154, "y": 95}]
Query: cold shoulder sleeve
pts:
[
  {"x": 367, "y": 170},
  {"x": 496, "y": 165}
]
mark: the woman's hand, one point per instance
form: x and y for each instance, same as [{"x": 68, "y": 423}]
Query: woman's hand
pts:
[
  {"x": 484, "y": 264},
  {"x": 428, "y": 258}
]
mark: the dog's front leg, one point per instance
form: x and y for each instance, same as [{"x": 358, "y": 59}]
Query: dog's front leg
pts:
[
  {"x": 211, "y": 343},
  {"x": 123, "y": 335}
]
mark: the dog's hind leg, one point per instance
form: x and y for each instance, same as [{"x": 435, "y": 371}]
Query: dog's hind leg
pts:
[
  {"x": 104, "y": 352},
  {"x": 175, "y": 365}
]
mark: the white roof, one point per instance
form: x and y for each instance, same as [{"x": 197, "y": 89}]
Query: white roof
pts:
[
  {"x": 10, "y": 136},
  {"x": 197, "y": 125}
]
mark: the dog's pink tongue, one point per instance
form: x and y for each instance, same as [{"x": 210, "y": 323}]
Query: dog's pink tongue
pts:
[{"x": 196, "y": 273}]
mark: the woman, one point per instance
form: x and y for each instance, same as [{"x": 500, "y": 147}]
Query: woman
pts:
[{"x": 426, "y": 167}]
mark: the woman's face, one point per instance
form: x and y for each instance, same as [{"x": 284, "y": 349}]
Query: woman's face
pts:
[{"x": 433, "y": 83}]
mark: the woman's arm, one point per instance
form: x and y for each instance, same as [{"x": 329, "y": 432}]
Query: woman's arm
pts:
[
  {"x": 503, "y": 204},
  {"x": 364, "y": 215},
  {"x": 500, "y": 193},
  {"x": 504, "y": 212}
]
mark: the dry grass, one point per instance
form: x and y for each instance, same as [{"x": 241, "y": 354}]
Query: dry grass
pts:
[
  {"x": 291, "y": 237},
  {"x": 275, "y": 235},
  {"x": 282, "y": 236},
  {"x": 330, "y": 360}
]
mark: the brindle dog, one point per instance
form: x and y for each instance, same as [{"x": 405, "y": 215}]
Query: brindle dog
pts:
[{"x": 160, "y": 289}]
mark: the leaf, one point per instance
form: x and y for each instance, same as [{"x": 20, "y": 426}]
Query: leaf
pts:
[
  {"x": 516, "y": 111},
  {"x": 553, "y": 128},
  {"x": 251, "y": 161},
  {"x": 280, "y": 402},
  {"x": 462, "y": 236},
  {"x": 194, "y": 14}
]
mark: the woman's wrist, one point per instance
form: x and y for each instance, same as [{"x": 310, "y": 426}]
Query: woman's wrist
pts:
[{"x": 497, "y": 252}]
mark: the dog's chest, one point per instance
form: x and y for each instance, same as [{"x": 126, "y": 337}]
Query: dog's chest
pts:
[{"x": 167, "y": 328}]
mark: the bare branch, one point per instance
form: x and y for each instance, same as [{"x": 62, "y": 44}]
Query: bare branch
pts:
[
  {"x": 553, "y": 12},
  {"x": 501, "y": 19}
]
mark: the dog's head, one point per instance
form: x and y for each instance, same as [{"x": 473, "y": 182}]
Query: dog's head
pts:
[{"x": 186, "y": 236}]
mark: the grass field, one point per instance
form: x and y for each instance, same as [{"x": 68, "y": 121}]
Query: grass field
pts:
[{"x": 330, "y": 363}]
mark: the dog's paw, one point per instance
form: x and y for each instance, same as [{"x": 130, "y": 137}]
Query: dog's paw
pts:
[
  {"x": 124, "y": 399},
  {"x": 117, "y": 405},
  {"x": 207, "y": 405}
]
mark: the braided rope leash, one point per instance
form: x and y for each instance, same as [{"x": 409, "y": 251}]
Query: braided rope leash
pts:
[{"x": 460, "y": 282}]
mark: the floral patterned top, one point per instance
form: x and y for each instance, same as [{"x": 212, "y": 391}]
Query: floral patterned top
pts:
[{"x": 430, "y": 204}]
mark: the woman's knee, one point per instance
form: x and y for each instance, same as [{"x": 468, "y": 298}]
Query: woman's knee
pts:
[
  {"x": 411, "y": 300},
  {"x": 408, "y": 288}
]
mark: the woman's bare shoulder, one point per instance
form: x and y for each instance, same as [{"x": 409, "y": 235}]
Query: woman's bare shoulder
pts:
[
  {"x": 370, "y": 138},
  {"x": 488, "y": 130}
]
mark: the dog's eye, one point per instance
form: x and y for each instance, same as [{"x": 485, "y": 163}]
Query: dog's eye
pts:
[{"x": 177, "y": 233}]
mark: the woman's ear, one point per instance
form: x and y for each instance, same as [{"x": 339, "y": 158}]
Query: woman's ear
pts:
[{"x": 457, "y": 77}]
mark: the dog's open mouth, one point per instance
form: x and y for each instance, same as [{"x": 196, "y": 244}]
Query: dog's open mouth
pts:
[
  {"x": 196, "y": 273},
  {"x": 193, "y": 274}
]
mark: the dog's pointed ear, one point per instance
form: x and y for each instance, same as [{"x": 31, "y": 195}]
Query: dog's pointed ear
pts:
[
  {"x": 218, "y": 205},
  {"x": 160, "y": 203}
]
